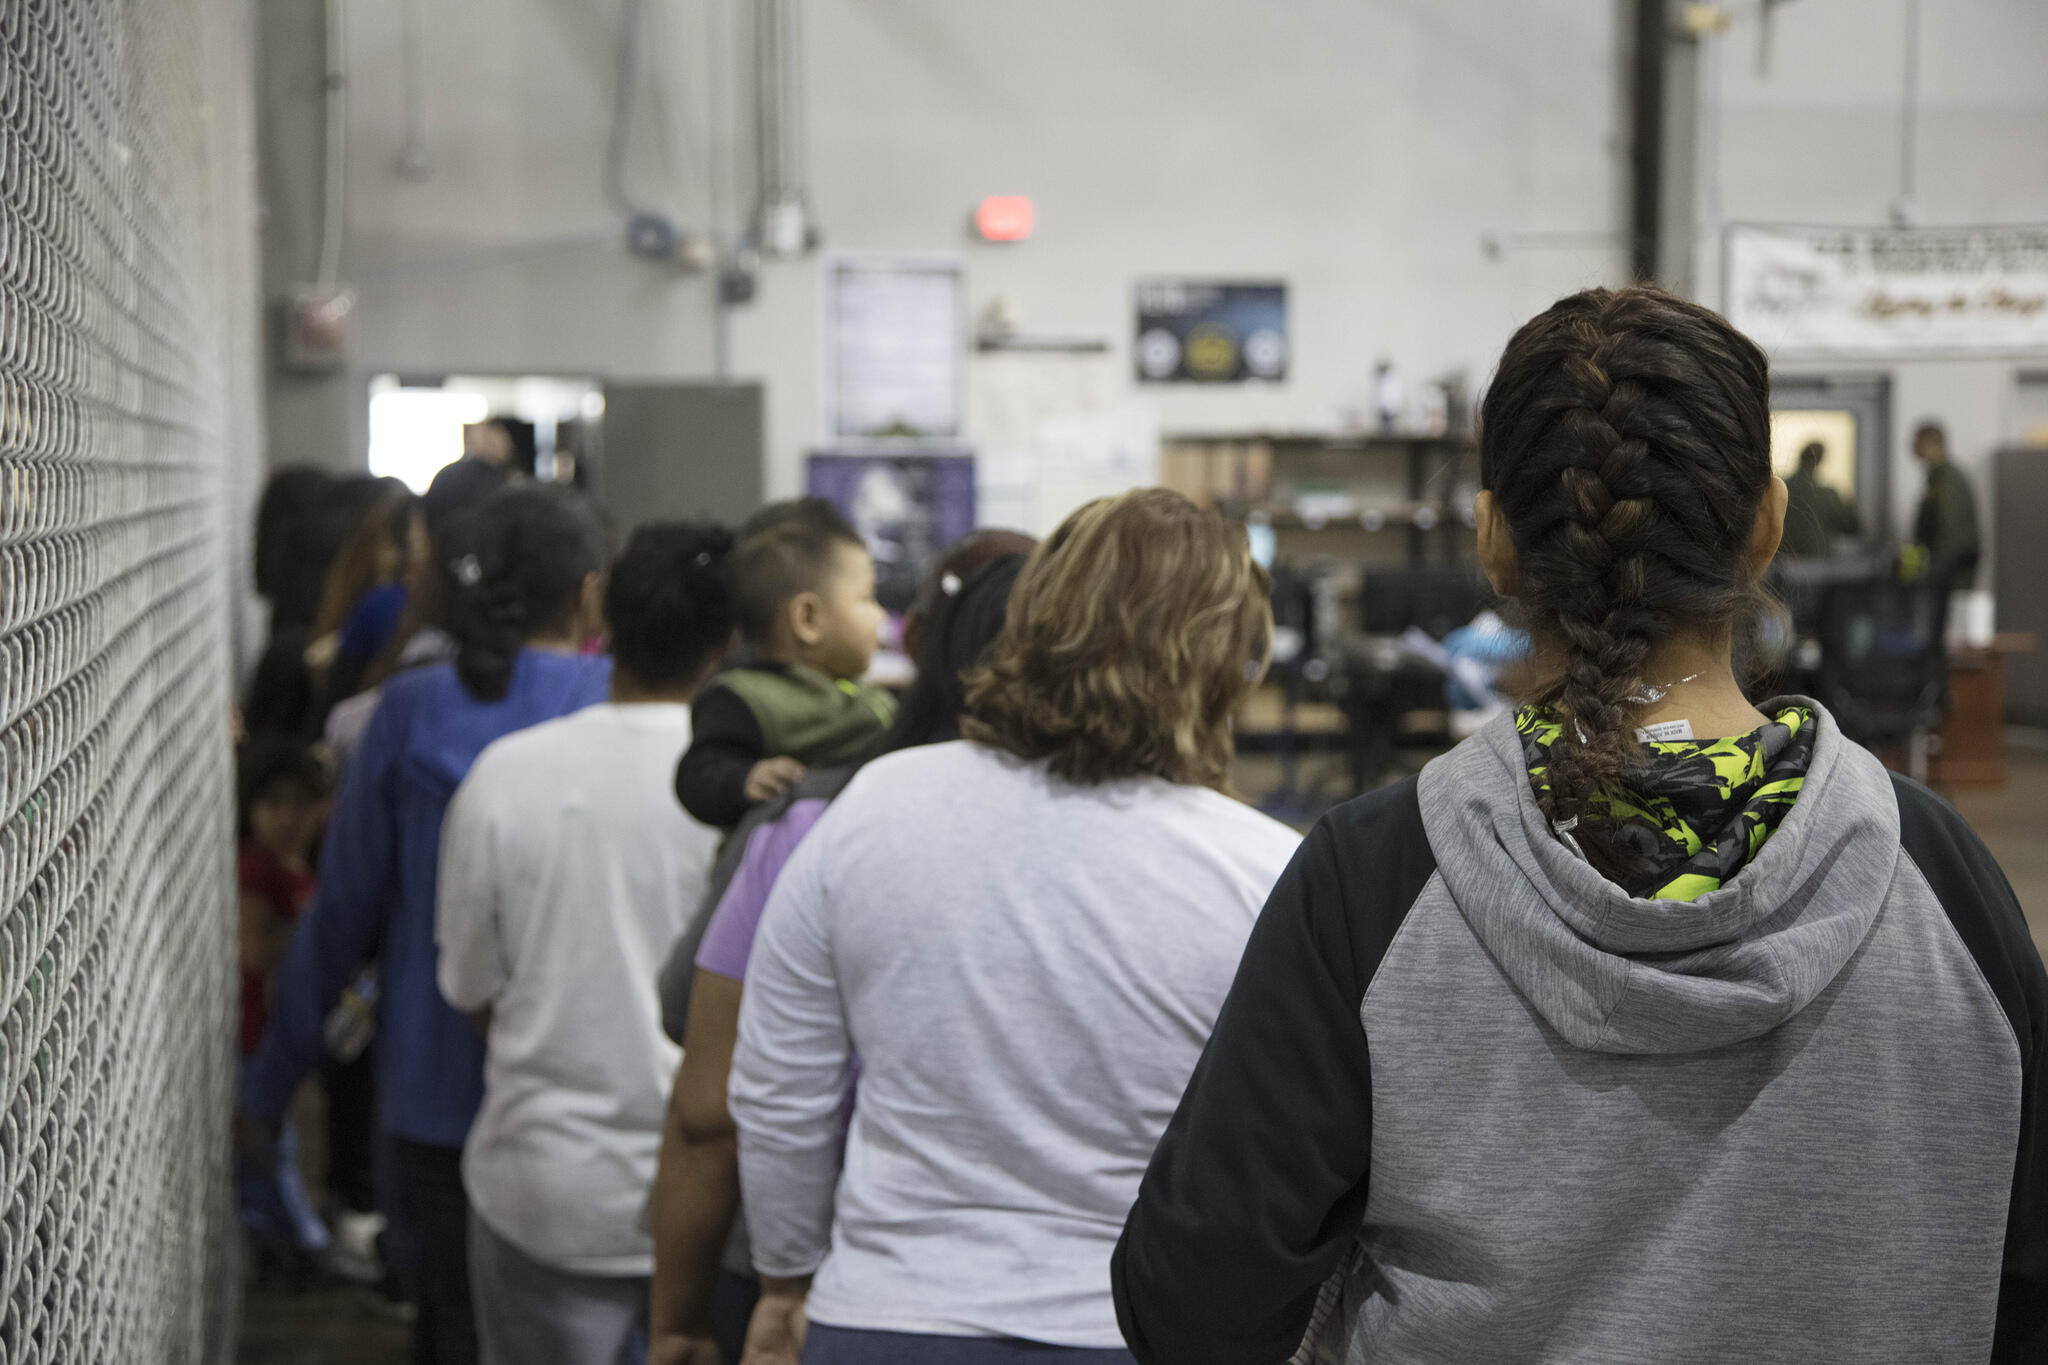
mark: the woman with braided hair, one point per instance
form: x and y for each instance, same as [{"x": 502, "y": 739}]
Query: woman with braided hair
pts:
[
  {"x": 1647, "y": 1024},
  {"x": 525, "y": 571}
]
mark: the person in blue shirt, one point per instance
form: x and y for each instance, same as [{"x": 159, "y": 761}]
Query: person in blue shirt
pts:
[{"x": 527, "y": 575}]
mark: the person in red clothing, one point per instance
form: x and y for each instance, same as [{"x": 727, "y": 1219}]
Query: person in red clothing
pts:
[{"x": 283, "y": 807}]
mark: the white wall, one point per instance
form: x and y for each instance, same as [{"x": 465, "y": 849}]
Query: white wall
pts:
[
  {"x": 1357, "y": 148},
  {"x": 1816, "y": 139}
]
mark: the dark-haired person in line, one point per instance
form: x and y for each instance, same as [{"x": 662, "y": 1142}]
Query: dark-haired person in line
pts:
[
  {"x": 460, "y": 486},
  {"x": 528, "y": 588},
  {"x": 567, "y": 871},
  {"x": 1945, "y": 527},
  {"x": 1815, "y": 514},
  {"x": 1648, "y": 1025},
  {"x": 283, "y": 798},
  {"x": 700, "y": 1298},
  {"x": 803, "y": 592},
  {"x": 302, "y": 523},
  {"x": 1025, "y": 936}
]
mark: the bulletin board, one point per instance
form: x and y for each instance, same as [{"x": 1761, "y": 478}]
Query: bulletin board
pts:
[{"x": 895, "y": 348}]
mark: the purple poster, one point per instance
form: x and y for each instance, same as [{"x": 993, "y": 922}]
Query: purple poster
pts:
[{"x": 906, "y": 507}]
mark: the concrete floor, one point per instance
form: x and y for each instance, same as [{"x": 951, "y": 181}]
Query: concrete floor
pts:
[
  {"x": 329, "y": 1326},
  {"x": 2014, "y": 825},
  {"x": 351, "y": 1327}
]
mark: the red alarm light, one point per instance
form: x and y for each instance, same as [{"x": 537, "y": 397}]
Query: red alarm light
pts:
[{"x": 1004, "y": 218}]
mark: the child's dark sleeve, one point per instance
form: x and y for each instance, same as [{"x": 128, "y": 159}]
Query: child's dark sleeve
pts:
[{"x": 725, "y": 744}]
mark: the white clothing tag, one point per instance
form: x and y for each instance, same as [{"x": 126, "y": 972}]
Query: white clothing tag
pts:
[{"x": 1664, "y": 732}]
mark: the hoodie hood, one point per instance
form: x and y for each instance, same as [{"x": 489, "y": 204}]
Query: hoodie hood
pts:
[{"x": 1614, "y": 973}]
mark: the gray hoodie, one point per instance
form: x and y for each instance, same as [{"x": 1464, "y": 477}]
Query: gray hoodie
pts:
[{"x": 1471, "y": 1102}]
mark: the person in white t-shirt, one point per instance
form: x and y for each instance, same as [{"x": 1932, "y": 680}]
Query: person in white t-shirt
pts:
[{"x": 567, "y": 871}]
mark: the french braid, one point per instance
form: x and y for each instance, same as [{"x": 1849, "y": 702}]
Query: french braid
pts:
[{"x": 1626, "y": 439}]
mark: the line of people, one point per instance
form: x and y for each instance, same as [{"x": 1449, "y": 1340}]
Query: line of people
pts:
[{"x": 1649, "y": 1024}]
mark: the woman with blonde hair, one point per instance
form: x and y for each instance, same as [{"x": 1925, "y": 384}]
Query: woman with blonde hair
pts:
[{"x": 1025, "y": 935}]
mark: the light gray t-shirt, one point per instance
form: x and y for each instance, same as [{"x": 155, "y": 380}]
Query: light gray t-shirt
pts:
[{"x": 1028, "y": 970}]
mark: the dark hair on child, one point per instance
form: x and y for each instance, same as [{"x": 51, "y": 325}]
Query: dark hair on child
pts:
[
  {"x": 517, "y": 570},
  {"x": 790, "y": 556},
  {"x": 819, "y": 514},
  {"x": 666, "y": 602},
  {"x": 1626, "y": 440},
  {"x": 263, "y": 761}
]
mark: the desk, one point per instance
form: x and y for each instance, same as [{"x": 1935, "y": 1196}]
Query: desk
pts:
[
  {"x": 1972, "y": 752},
  {"x": 1264, "y": 713}
]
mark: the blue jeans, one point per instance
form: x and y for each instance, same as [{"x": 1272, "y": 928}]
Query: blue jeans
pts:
[
  {"x": 847, "y": 1346},
  {"x": 275, "y": 1206}
]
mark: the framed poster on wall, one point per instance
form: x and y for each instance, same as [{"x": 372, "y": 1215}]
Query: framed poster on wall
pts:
[
  {"x": 895, "y": 348},
  {"x": 1210, "y": 331}
]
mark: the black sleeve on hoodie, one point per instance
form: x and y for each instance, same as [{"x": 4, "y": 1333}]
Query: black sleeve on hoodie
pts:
[
  {"x": 1256, "y": 1191},
  {"x": 1981, "y": 905},
  {"x": 725, "y": 744}
]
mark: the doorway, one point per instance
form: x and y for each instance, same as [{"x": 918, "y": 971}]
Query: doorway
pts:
[{"x": 1851, "y": 416}]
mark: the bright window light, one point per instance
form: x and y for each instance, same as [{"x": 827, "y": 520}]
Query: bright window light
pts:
[{"x": 414, "y": 432}]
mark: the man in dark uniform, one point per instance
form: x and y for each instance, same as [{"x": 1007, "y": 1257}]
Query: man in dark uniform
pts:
[
  {"x": 1946, "y": 526},
  {"x": 1814, "y": 513}
]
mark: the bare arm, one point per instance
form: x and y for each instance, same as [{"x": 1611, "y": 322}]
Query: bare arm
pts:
[{"x": 697, "y": 1187}]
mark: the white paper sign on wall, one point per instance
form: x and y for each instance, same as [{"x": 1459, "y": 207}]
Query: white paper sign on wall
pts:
[{"x": 1889, "y": 292}]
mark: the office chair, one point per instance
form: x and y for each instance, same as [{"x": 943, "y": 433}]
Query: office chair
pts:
[
  {"x": 1884, "y": 662},
  {"x": 1385, "y": 683},
  {"x": 1437, "y": 601},
  {"x": 1297, "y": 662},
  {"x": 1800, "y": 583}
]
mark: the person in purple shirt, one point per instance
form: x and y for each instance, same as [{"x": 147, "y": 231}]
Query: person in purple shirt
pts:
[
  {"x": 699, "y": 1301},
  {"x": 528, "y": 574}
]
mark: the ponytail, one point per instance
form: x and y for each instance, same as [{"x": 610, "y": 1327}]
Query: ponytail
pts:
[
  {"x": 515, "y": 571},
  {"x": 668, "y": 602},
  {"x": 1626, "y": 441}
]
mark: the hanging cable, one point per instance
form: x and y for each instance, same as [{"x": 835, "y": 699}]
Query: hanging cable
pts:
[
  {"x": 414, "y": 158},
  {"x": 649, "y": 235},
  {"x": 624, "y": 89},
  {"x": 767, "y": 124},
  {"x": 1906, "y": 208},
  {"x": 782, "y": 224},
  {"x": 334, "y": 206},
  {"x": 719, "y": 124},
  {"x": 796, "y": 169}
]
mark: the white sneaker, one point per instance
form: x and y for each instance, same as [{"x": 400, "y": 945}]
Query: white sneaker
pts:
[{"x": 352, "y": 1255}]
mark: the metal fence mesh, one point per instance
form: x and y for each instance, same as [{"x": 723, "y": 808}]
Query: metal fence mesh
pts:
[{"x": 119, "y": 443}]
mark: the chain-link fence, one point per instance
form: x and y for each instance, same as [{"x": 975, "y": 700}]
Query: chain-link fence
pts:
[{"x": 125, "y": 323}]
